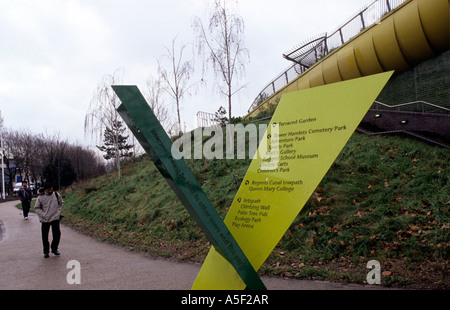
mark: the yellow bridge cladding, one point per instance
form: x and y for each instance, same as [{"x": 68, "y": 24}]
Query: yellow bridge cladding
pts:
[{"x": 416, "y": 31}]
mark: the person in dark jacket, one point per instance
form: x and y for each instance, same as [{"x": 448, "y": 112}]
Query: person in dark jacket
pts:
[
  {"x": 48, "y": 207},
  {"x": 25, "y": 196}
]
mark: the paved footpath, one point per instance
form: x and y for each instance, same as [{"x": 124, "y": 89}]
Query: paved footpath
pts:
[{"x": 103, "y": 266}]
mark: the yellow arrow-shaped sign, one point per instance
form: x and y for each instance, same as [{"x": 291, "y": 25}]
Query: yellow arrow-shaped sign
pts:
[{"x": 313, "y": 127}]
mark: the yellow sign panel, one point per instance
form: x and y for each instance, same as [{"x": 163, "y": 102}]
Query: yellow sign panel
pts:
[{"x": 313, "y": 127}]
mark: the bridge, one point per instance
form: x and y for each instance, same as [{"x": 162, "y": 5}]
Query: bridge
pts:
[{"x": 383, "y": 36}]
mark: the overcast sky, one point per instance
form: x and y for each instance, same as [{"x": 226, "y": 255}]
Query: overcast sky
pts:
[{"x": 53, "y": 53}]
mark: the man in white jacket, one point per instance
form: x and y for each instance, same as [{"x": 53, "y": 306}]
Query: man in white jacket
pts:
[{"x": 48, "y": 207}]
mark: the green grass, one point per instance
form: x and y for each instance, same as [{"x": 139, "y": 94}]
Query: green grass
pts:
[
  {"x": 385, "y": 198},
  {"x": 376, "y": 195}
]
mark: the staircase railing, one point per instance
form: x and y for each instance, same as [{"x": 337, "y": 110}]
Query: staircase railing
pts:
[{"x": 415, "y": 106}]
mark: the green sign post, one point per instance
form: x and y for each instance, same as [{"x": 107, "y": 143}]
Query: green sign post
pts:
[{"x": 146, "y": 128}]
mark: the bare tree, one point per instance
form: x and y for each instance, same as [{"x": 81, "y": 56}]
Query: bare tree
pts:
[
  {"x": 102, "y": 114},
  {"x": 175, "y": 80},
  {"x": 57, "y": 166},
  {"x": 222, "y": 46},
  {"x": 155, "y": 100},
  {"x": 86, "y": 163},
  {"x": 20, "y": 146},
  {"x": 44, "y": 156}
]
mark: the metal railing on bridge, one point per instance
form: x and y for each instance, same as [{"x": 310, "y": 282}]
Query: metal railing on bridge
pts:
[{"x": 307, "y": 54}]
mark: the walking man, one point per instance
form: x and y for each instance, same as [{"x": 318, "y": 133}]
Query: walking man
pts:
[
  {"x": 48, "y": 207},
  {"x": 25, "y": 196}
]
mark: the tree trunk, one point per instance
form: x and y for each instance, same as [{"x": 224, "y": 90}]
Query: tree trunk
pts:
[{"x": 180, "y": 131}]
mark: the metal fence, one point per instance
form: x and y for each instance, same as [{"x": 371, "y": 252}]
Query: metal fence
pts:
[
  {"x": 309, "y": 53},
  {"x": 205, "y": 119}
]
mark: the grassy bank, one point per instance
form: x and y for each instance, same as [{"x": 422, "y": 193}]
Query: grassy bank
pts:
[{"x": 385, "y": 198}]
